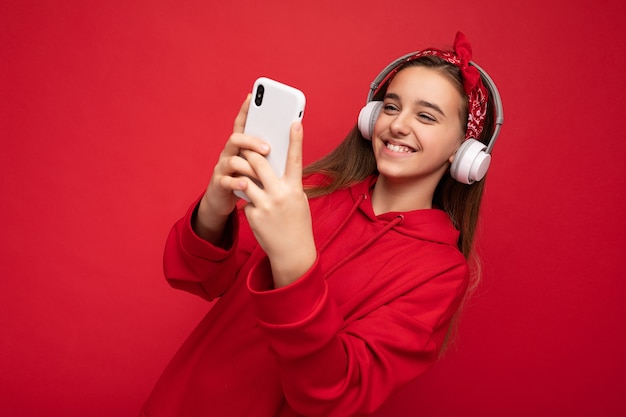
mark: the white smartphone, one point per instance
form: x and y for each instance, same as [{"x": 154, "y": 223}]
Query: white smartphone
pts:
[{"x": 273, "y": 108}]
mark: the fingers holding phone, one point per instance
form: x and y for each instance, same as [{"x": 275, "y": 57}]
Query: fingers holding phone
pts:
[
  {"x": 218, "y": 200},
  {"x": 264, "y": 183},
  {"x": 257, "y": 151}
]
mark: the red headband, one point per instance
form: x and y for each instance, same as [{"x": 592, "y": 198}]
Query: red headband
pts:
[{"x": 472, "y": 83}]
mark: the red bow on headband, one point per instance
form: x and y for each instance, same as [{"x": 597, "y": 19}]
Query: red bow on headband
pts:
[{"x": 463, "y": 50}]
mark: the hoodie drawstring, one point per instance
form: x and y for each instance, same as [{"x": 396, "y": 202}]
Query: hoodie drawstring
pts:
[{"x": 356, "y": 205}]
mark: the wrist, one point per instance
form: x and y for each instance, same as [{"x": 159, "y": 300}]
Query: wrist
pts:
[
  {"x": 207, "y": 225},
  {"x": 291, "y": 268}
]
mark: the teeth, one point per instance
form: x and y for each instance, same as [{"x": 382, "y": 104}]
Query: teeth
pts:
[{"x": 396, "y": 148}]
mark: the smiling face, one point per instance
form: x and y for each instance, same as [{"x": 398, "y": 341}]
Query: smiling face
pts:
[{"x": 419, "y": 128}]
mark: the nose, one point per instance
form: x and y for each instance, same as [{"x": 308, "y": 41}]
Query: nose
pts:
[{"x": 399, "y": 125}]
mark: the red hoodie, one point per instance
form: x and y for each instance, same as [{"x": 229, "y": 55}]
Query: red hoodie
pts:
[{"x": 368, "y": 317}]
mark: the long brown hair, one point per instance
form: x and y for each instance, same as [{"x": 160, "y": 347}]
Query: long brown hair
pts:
[{"x": 353, "y": 161}]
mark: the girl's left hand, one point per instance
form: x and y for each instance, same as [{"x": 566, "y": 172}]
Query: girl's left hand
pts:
[{"x": 279, "y": 213}]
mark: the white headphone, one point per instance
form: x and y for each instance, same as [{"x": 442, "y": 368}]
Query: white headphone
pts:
[{"x": 472, "y": 159}]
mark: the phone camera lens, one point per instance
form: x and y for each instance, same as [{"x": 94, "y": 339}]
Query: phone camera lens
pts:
[{"x": 258, "y": 98}]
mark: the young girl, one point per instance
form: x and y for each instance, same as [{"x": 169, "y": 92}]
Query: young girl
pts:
[{"x": 336, "y": 293}]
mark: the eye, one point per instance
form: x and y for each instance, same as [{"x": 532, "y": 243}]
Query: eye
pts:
[
  {"x": 426, "y": 117},
  {"x": 390, "y": 108}
]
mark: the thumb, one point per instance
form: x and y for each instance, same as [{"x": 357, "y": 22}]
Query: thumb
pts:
[{"x": 293, "y": 168}]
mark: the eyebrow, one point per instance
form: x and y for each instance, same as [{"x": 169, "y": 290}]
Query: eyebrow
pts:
[{"x": 424, "y": 103}]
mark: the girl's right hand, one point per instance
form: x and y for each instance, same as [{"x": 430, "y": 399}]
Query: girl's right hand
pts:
[{"x": 218, "y": 200}]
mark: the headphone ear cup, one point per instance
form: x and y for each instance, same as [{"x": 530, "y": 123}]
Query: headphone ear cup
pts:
[
  {"x": 471, "y": 162},
  {"x": 367, "y": 118}
]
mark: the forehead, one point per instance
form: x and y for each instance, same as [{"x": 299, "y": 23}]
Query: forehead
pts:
[{"x": 424, "y": 83}]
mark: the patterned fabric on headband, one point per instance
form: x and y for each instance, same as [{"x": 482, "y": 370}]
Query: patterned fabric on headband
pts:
[{"x": 472, "y": 83}]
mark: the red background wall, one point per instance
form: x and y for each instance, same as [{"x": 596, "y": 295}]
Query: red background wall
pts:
[{"x": 113, "y": 113}]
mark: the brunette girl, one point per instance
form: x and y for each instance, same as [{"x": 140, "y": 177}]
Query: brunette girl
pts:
[{"x": 336, "y": 287}]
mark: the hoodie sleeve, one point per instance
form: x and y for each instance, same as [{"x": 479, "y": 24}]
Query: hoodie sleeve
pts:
[
  {"x": 333, "y": 363},
  {"x": 195, "y": 265}
]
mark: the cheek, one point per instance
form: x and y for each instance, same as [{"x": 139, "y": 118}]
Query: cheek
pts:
[
  {"x": 378, "y": 126},
  {"x": 449, "y": 143}
]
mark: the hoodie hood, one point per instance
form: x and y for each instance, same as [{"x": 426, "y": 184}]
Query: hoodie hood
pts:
[{"x": 432, "y": 225}]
